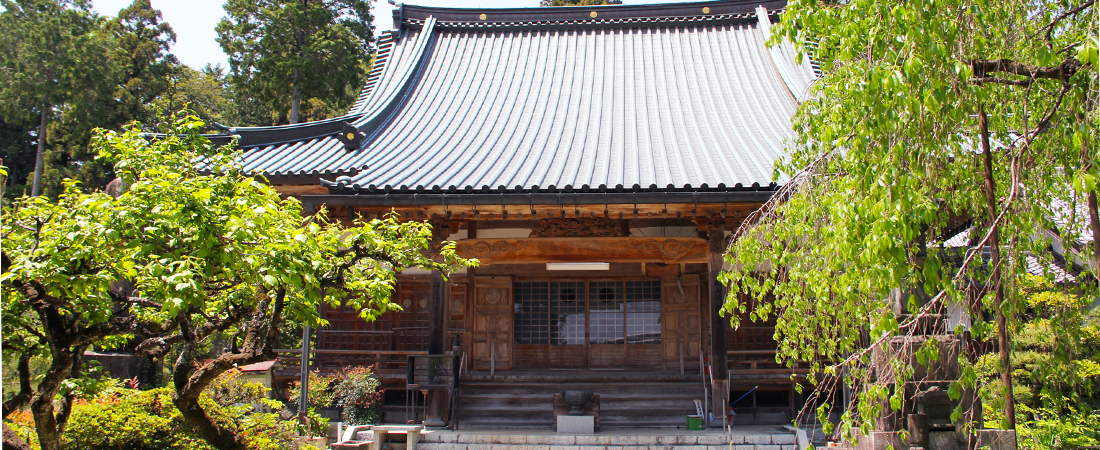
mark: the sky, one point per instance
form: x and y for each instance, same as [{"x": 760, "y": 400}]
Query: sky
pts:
[{"x": 194, "y": 21}]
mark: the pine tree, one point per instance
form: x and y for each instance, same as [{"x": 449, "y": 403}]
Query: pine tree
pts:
[{"x": 283, "y": 52}]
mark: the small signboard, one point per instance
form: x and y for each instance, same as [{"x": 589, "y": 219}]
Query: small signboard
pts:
[{"x": 432, "y": 372}]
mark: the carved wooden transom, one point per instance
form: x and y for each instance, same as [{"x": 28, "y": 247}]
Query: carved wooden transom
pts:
[{"x": 579, "y": 227}]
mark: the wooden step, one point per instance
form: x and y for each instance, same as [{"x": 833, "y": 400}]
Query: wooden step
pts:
[{"x": 623, "y": 403}]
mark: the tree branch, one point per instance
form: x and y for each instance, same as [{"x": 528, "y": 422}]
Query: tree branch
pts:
[
  {"x": 1063, "y": 72},
  {"x": 999, "y": 80},
  {"x": 1049, "y": 28},
  {"x": 23, "y": 398}
]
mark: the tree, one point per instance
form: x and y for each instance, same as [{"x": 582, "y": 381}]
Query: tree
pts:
[
  {"x": 284, "y": 51},
  {"x": 49, "y": 52},
  {"x": 67, "y": 71},
  {"x": 17, "y": 149},
  {"x": 929, "y": 115},
  {"x": 211, "y": 96},
  {"x": 198, "y": 255},
  {"x": 1055, "y": 366},
  {"x": 142, "y": 44}
]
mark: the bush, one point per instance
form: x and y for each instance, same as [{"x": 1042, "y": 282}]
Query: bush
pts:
[
  {"x": 314, "y": 425},
  {"x": 320, "y": 390},
  {"x": 353, "y": 389},
  {"x": 130, "y": 419},
  {"x": 1059, "y": 428},
  {"x": 357, "y": 393}
]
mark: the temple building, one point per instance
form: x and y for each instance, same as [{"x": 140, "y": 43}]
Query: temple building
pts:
[{"x": 595, "y": 160}]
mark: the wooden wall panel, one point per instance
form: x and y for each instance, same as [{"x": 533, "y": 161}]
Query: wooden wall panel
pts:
[
  {"x": 643, "y": 356},
  {"x": 410, "y": 325},
  {"x": 606, "y": 356},
  {"x": 568, "y": 357},
  {"x": 531, "y": 357}
]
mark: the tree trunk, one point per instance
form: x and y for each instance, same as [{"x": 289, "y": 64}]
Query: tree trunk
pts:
[
  {"x": 190, "y": 379},
  {"x": 45, "y": 424},
  {"x": 36, "y": 187},
  {"x": 66, "y": 407},
  {"x": 296, "y": 98},
  {"x": 23, "y": 398},
  {"x": 1094, "y": 214},
  {"x": 12, "y": 441},
  {"x": 186, "y": 399},
  {"x": 204, "y": 426},
  {"x": 995, "y": 277}
]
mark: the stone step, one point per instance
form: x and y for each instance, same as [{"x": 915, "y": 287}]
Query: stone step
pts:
[
  {"x": 442, "y": 446},
  {"x": 459, "y": 437}
]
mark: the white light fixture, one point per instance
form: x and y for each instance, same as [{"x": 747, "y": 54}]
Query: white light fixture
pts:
[{"x": 578, "y": 266}]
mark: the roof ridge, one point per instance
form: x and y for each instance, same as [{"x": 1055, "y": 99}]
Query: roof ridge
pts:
[
  {"x": 381, "y": 57},
  {"x": 573, "y": 24},
  {"x": 382, "y": 104},
  {"x": 584, "y": 13}
]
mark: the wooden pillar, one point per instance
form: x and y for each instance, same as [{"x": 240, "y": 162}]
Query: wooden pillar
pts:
[
  {"x": 718, "y": 324},
  {"x": 436, "y": 332},
  {"x": 718, "y": 327},
  {"x": 436, "y": 335}
]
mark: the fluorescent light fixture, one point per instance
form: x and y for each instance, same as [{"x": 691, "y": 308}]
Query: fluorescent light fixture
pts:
[{"x": 578, "y": 266}]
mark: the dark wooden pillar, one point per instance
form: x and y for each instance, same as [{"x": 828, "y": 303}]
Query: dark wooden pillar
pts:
[
  {"x": 437, "y": 333},
  {"x": 437, "y": 328},
  {"x": 718, "y": 325}
]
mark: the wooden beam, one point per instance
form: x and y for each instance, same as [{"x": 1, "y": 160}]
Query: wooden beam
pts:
[
  {"x": 285, "y": 190},
  {"x": 621, "y": 211},
  {"x": 610, "y": 249}
]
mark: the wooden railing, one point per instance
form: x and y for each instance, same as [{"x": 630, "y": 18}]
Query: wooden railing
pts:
[{"x": 386, "y": 362}]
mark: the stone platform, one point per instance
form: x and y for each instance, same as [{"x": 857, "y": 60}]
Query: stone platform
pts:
[{"x": 746, "y": 438}]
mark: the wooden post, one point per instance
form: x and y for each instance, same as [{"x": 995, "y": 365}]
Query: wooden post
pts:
[
  {"x": 436, "y": 332},
  {"x": 719, "y": 365},
  {"x": 434, "y": 402},
  {"x": 303, "y": 394}
]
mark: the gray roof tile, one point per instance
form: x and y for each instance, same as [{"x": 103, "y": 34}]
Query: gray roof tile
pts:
[{"x": 532, "y": 104}]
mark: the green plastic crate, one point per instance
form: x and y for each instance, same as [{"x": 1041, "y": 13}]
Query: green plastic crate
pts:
[{"x": 695, "y": 422}]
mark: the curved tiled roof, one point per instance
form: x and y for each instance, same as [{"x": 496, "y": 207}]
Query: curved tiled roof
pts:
[{"x": 667, "y": 97}]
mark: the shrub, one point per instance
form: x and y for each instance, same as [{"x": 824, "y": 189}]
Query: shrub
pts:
[
  {"x": 357, "y": 393},
  {"x": 320, "y": 390},
  {"x": 353, "y": 389},
  {"x": 129, "y": 419},
  {"x": 135, "y": 420},
  {"x": 22, "y": 423},
  {"x": 314, "y": 425}
]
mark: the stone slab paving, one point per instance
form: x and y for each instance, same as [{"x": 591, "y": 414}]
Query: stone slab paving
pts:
[{"x": 743, "y": 438}]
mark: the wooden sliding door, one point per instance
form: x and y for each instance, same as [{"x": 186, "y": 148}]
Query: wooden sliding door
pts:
[
  {"x": 577, "y": 324},
  {"x": 492, "y": 323},
  {"x": 681, "y": 329},
  {"x": 568, "y": 325}
]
